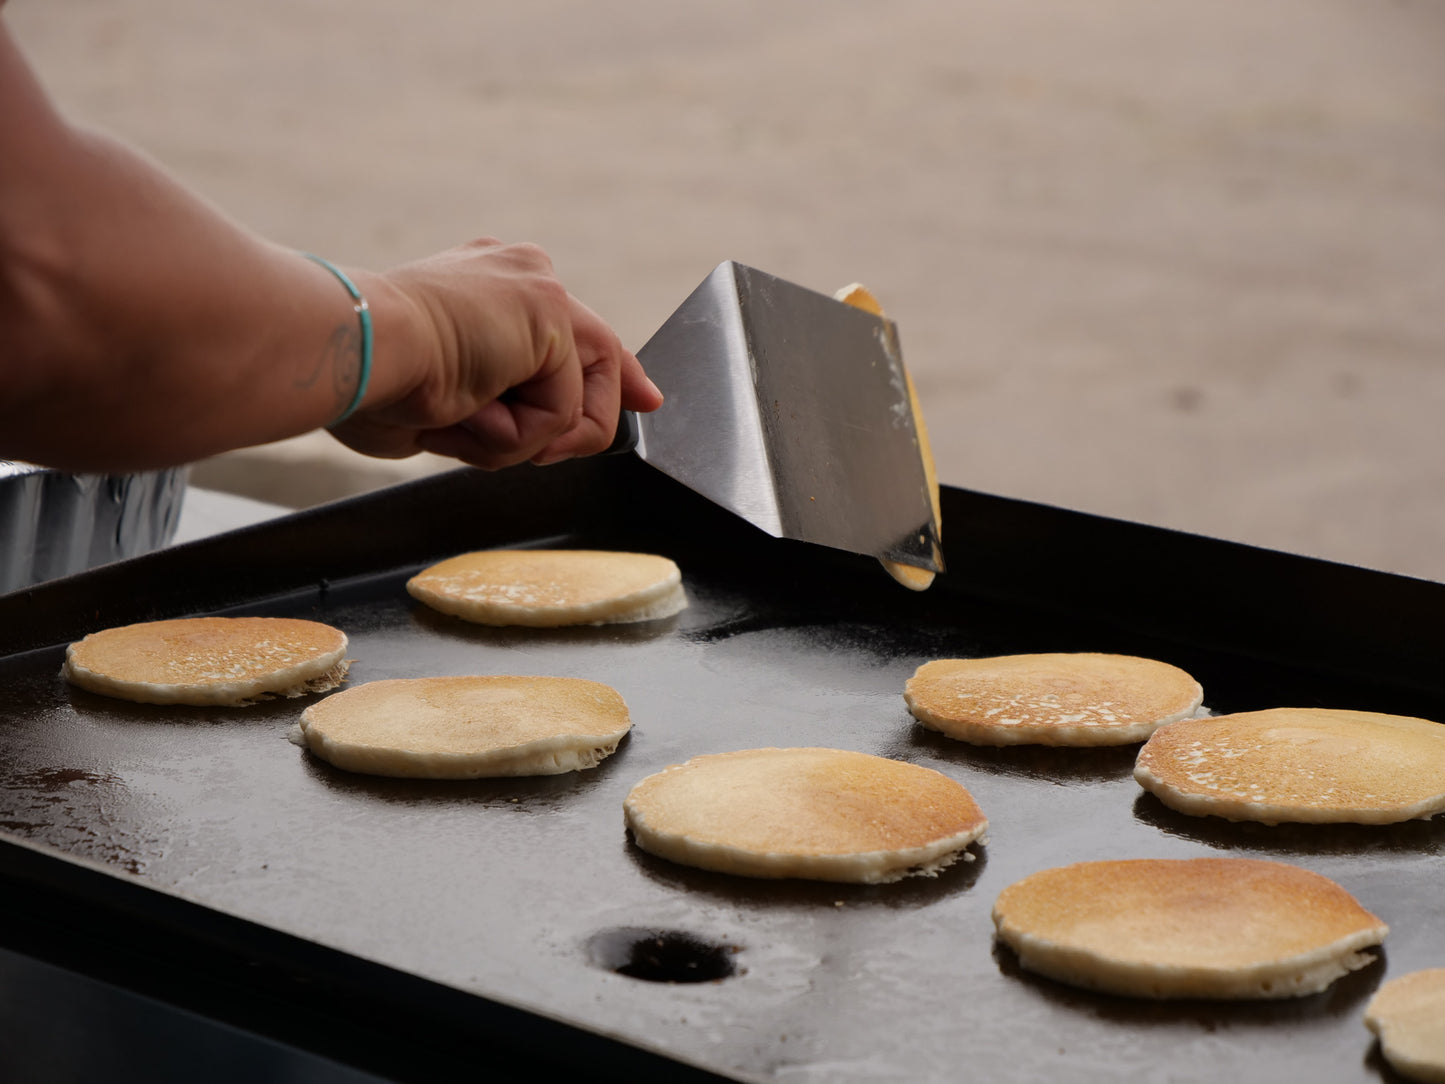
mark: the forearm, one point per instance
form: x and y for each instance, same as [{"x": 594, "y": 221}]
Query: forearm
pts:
[{"x": 139, "y": 326}]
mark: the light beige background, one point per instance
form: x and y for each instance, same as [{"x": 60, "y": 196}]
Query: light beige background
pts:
[{"x": 1182, "y": 262}]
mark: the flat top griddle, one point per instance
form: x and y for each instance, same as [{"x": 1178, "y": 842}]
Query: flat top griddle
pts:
[{"x": 527, "y": 893}]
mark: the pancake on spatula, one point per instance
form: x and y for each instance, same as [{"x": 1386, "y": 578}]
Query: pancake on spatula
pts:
[
  {"x": 1298, "y": 764},
  {"x": 1408, "y": 1014},
  {"x": 551, "y": 588},
  {"x": 1177, "y": 928},
  {"x": 1054, "y": 699},
  {"x": 467, "y": 727},
  {"x": 209, "y": 660},
  {"x": 819, "y": 814},
  {"x": 910, "y": 576}
]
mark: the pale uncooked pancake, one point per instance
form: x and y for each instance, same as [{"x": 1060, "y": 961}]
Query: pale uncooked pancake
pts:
[
  {"x": 209, "y": 660},
  {"x": 910, "y": 576},
  {"x": 820, "y": 814},
  {"x": 467, "y": 727},
  {"x": 550, "y": 588},
  {"x": 1200, "y": 927},
  {"x": 1408, "y": 1014},
  {"x": 1299, "y": 764},
  {"x": 1058, "y": 699}
]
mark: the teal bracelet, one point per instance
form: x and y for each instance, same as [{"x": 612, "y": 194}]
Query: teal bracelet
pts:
[{"x": 363, "y": 313}]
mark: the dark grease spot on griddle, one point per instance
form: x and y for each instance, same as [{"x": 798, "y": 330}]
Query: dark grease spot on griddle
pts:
[
  {"x": 1416, "y": 837},
  {"x": 76, "y": 809},
  {"x": 55, "y": 779},
  {"x": 1342, "y": 998},
  {"x": 662, "y": 955}
]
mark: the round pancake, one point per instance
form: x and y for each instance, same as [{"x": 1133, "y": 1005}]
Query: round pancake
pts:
[
  {"x": 820, "y": 814},
  {"x": 1060, "y": 699},
  {"x": 1298, "y": 764},
  {"x": 1200, "y": 927},
  {"x": 467, "y": 727},
  {"x": 910, "y": 576},
  {"x": 550, "y": 588},
  {"x": 1408, "y": 1014},
  {"x": 209, "y": 660}
]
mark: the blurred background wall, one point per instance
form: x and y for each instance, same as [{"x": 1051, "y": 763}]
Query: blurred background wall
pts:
[{"x": 1176, "y": 262}]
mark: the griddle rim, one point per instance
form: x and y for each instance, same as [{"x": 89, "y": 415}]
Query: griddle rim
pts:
[{"x": 1377, "y": 628}]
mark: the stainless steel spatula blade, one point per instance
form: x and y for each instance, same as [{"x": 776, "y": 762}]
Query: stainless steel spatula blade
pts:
[{"x": 791, "y": 409}]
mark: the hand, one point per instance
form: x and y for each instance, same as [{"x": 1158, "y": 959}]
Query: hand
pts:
[{"x": 505, "y": 364}]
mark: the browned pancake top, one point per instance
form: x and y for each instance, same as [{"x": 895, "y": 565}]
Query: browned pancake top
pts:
[
  {"x": 1207, "y": 913},
  {"x": 201, "y": 651},
  {"x": 804, "y": 802},
  {"x": 1052, "y": 690},
  {"x": 1408, "y": 1014},
  {"x": 1312, "y": 759},
  {"x": 543, "y": 580},
  {"x": 468, "y": 715}
]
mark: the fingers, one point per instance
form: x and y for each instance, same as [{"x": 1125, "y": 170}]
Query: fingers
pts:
[
  {"x": 369, "y": 437},
  {"x": 634, "y": 390},
  {"x": 520, "y": 424},
  {"x": 639, "y": 393},
  {"x": 514, "y": 367},
  {"x": 612, "y": 380},
  {"x": 599, "y": 354},
  {"x": 597, "y": 418}
]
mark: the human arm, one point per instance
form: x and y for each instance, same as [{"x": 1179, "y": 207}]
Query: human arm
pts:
[{"x": 140, "y": 327}]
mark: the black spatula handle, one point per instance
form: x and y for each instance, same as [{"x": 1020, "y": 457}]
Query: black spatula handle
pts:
[{"x": 626, "y": 438}]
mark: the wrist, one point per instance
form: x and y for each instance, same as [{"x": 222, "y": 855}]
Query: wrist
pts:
[
  {"x": 354, "y": 373},
  {"x": 401, "y": 341}
]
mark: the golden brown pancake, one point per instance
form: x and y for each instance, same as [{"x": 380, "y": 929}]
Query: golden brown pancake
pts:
[
  {"x": 467, "y": 727},
  {"x": 910, "y": 576},
  {"x": 209, "y": 660},
  {"x": 1058, "y": 699},
  {"x": 550, "y": 588},
  {"x": 1408, "y": 1014},
  {"x": 1298, "y": 764},
  {"x": 1200, "y": 927},
  {"x": 821, "y": 814}
]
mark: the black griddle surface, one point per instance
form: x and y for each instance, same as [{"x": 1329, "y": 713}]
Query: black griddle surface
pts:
[{"x": 519, "y": 891}]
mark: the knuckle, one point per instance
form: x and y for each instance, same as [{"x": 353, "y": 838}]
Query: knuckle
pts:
[
  {"x": 533, "y": 254},
  {"x": 551, "y": 291}
]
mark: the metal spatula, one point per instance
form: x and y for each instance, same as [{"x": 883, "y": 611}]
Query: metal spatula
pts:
[{"x": 790, "y": 409}]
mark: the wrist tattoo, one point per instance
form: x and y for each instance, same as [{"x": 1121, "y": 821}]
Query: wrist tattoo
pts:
[{"x": 341, "y": 357}]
